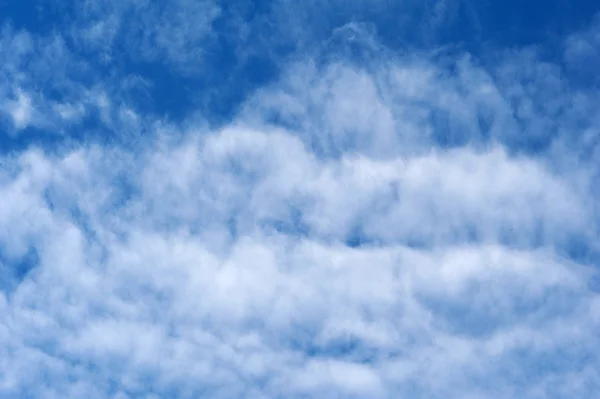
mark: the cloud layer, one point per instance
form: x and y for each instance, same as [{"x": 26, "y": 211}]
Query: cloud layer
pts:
[{"x": 371, "y": 220}]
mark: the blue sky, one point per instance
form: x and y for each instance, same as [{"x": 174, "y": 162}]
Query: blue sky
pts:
[{"x": 284, "y": 199}]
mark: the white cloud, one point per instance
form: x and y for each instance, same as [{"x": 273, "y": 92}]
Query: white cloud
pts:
[
  {"x": 20, "y": 110},
  {"x": 114, "y": 288},
  {"x": 326, "y": 242}
]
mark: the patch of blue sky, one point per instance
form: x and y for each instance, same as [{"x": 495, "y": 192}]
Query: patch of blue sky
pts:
[{"x": 15, "y": 269}]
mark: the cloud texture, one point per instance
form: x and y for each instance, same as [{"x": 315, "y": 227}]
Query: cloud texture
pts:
[{"x": 279, "y": 201}]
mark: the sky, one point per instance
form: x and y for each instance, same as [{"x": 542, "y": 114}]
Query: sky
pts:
[{"x": 299, "y": 199}]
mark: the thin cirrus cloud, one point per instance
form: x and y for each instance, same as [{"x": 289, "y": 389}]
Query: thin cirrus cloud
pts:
[{"x": 369, "y": 218}]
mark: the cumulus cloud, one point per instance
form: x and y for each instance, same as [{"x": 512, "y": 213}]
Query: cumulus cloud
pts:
[{"x": 390, "y": 225}]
